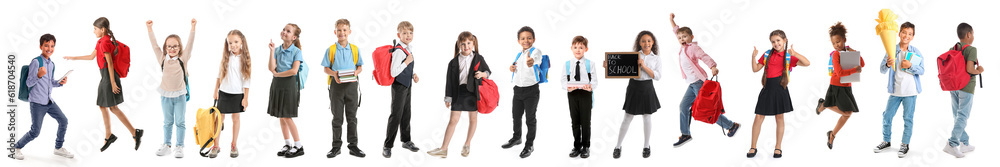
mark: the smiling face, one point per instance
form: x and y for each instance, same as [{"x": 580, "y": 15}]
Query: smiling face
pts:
[
  {"x": 646, "y": 43},
  {"x": 405, "y": 36},
  {"x": 467, "y": 47},
  {"x": 99, "y": 32},
  {"x": 839, "y": 42},
  {"x": 173, "y": 46},
  {"x": 684, "y": 38},
  {"x": 288, "y": 34},
  {"x": 235, "y": 44},
  {"x": 778, "y": 43},
  {"x": 47, "y": 48},
  {"x": 578, "y": 50},
  {"x": 526, "y": 39},
  {"x": 342, "y": 31},
  {"x": 905, "y": 36}
]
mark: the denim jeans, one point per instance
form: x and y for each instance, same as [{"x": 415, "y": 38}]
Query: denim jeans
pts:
[
  {"x": 173, "y": 115},
  {"x": 961, "y": 107},
  {"x": 38, "y": 112},
  {"x": 890, "y": 111},
  {"x": 687, "y": 101}
]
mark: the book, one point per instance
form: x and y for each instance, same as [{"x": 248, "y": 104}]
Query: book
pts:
[
  {"x": 347, "y": 76},
  {"x": 850, "y": 59}
]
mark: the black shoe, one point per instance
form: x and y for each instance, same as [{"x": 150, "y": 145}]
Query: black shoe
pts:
[
  {"x": 511, "y": 143},
  {"x": 903, "y": 149},
  {"x": 386, "y": 152},
  {"x": 752, "y": 154},
  {"x": 574, "y": 153},
  {"x": 682, "y": 140},
  {"x": 829, "y": 139},
  {"x": 732, "y": 130},
  {"x": 645, "y": 152},
  {"x": 355, "y": 151},
  {"x": 882, "y": 146},
  {"x": 295, "y": 152},
  {"x": 108, "y": 141},
  {"x": 778, "y": 153},
  {"x": 410, "y": 146},
  {"x": 284, "y": 150},
  {"x": 138, "y": 138},
  {"x": 819, "y": 107},
  {"x": 333, "y": 152},
  {"x": 585, "y": 153},
  {"x": 527, "y": 151},
  {"x": 617, "y": 154}
]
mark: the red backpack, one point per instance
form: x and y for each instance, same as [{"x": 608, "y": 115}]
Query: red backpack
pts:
[
  {"x": 121, "y": 59},
  {"x": 489, "y": 96},
  {"x": 708, "y": 105},
  {"x": 382, "y": 56},
  {"x": 951, "y": 69}
]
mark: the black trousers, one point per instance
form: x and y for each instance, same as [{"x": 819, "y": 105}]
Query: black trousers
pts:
[
  {"x": 344, "y": 101},
  {"x": 580, "y": 105},
  {"x": 525, "y": 103},
  {"x": 399, "y": 119}
]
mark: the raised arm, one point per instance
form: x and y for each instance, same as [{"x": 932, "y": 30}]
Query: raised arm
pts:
[
  {"x": 803, "y": 61},
  {"x": 157, "y": 51},
  {"x": 186, "y": 55},
  {"x": 754, "y": 65}
]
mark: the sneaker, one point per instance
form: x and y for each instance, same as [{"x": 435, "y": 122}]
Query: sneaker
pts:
[
  {"x": 234, "y": 153},
  {"x": 683, "y": 140},
  {"x": 179, "y": 152},
  {"x": 881, "y": 146},
  {"x": 953, "y": 150},
  {"x": 214, "y": 152},
  {"x": 63, "y": 152},
  {"x": 465, "y": 151},
  {"x": 903, "y": 149},
  {"x": 967, "y": 148},
  {"x": 732, "y": 130},
  {"x": 18, "y": 155},
  {"x": 163, "y": 150}
]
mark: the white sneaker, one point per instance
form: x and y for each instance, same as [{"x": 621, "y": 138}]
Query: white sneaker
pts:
[
  {"x": 968, "y": 148},
  {"x": 163, "y": 150},
  {"x": 63, "y": 152},
  {"x": 18, "y": 155},
  {"x": 179, "y": 152},
  {"x": 953, "y": 150}
]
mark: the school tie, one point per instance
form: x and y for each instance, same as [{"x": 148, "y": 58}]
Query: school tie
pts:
[{"x": 577, "y": 76}]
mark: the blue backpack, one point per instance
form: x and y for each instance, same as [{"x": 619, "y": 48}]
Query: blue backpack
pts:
[
  {"x": 22, "y": 94},
  {"x": 587, "y": 61},
  {"x": 184, "y": 72},
  {"x": 541, "y": 70}
]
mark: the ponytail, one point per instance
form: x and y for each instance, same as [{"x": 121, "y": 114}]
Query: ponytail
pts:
[{"x": 103, "y": 23}]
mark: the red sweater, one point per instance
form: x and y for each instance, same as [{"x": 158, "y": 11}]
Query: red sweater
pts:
[{"x": 840, "y": 72}]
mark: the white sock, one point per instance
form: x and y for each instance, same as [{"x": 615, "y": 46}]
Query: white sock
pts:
[
  {"x": 288, "y": 142},
  {"x": 298, "y": 144},
  {"x": 647, "y": 123},
  {"x": 624, "y": 129}
]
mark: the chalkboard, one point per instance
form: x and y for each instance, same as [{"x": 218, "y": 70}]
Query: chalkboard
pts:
[{"x": 622, "y": 65}]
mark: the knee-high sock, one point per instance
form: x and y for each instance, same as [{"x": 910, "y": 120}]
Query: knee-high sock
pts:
[
  {"x": 624, "y": 129},
  {"x": 647, "y": 126}
]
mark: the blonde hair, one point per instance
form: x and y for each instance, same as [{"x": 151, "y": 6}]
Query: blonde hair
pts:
[
  {"x": 405, "y": 25},
  {"x": 296, "y": 33},
  {"x": 343, "y": 22},
  {"x": 244, "y": 57}
]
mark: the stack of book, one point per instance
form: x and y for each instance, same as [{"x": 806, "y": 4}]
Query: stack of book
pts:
[{"x": 347, "y": 76}]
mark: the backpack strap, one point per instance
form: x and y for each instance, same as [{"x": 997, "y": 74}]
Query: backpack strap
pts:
[
  {"x": 829, "y": 67},
  {"x": 589, "y": 78},
  {"x": 187, "y": 86},
  {"x": 333, "y": 53},
  {"x": 530, "y": 51}
]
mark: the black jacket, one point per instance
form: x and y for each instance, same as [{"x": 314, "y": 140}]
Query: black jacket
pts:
[{"x": 452, "y": 84}]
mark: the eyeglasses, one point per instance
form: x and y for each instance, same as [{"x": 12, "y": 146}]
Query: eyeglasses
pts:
[{"x": 173, "y": 46}]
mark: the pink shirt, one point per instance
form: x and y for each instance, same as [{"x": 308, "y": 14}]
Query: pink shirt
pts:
[{"x": 688, "y": 60}]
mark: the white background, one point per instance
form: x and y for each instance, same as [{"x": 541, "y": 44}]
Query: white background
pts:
[{"x": 727, "y": 30}]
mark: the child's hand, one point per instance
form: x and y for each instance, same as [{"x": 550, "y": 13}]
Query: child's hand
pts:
[
  {"x": 671, "y": 16},
  {"x": 513, "y": 68},
  {"x": 980, "y": 69},
  {"x": 530, "y": 61},
  {"x": 115, "y": 89},
  {"x": 356, "y": 72},
  {"x": 905, "y": 64},
  {"x": 605, "y": 63},
  {"x": 336, "y": 78},
  {"x": 755, "y": 52},
  {"x": 715, "y": 71},
  {"x": 791, "y": 50},
  {"x": 642, "y": 63},
  {"x": 447, "y": 104},
  {"x": 42, "y": 71},
  {"x": 858, "y": 68},
  {"x": 245, "y": 103},
  {"x": 63, "y": 81},
  {"x": 588, "y": 88},
  {"x": 215, "y": 95},
  {"x": 149, "y": 25},
  {"x": 408, "y": 60},
  {"x": 193, "y": 22},
  {"x": 415, "y": 78},
  {"x": 480, "y": 75},
  {"x": 271, "y": 45}
]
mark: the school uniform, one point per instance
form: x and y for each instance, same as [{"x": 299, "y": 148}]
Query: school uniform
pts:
[
  {"x": 231, "y": 87},
  {"x": 399, "y": 119},
  {"x": 640, "y": 95},
  {"x": 526, "y": 94},
  {"x": 344, "y": 97},
  {"x": 580, "y": 101},
  {"x": 42, "y": 103},
  {"x": 774, "y": 98},
  {"x": 839, "y": 94},
  {"x": 461, "y": 85},
  {"x": 173, "y": 88},
  {"x": 105, "y": 94},
  {"x": 284, "y": 95}
]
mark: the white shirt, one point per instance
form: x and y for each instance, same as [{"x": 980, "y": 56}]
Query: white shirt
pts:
[
  {"x": 234, "y": 82},
  {"x": 653, "y": 62},
  {"x": 904, "y": 83},
  {"x": 687, "y": 68},
  {"x": 397, "y": 58},
  {"x": 568, "y": 75},
  {"x": 524, "y": 74},
  {"x": 465, "y": 66}
]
